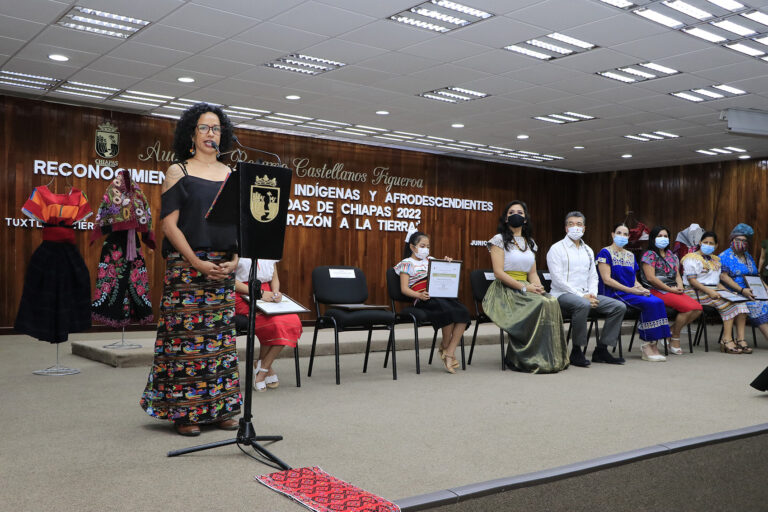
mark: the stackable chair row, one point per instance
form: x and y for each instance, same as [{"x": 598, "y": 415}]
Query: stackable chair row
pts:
[
  {"x": 241, "y": 326},
  {"x": 342, "y": 292},
  {"x": 480, "y": 280}
]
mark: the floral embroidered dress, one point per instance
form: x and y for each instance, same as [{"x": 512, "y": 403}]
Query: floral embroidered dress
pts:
[
  {"x": 122, "y": 293},
  {"x": 737, "y": 269},
  {"x": 654, "y": 324},
  {"x": 57, "y": 286}
]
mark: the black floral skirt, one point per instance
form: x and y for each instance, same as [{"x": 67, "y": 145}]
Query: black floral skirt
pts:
[
  {"x": 122, "y": 295},
  {"x": 194, "y": 376}
]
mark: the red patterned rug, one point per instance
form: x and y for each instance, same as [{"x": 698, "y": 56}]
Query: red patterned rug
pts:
[{"x": 319, "y": 491}]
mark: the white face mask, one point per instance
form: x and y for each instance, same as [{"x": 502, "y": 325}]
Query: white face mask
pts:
[
  {"x": 575, "y": 232},
  {"x": 422, "y": 252}
]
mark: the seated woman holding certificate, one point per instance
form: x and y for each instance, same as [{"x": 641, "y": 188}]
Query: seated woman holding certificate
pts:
[
  {"x": 739, "y": 266},
  {"x": 517, "y": 302},
  {"x": 449, "y": 314},
  {"x": 702, "y": 273},
  {"x": 274, "y": 331}
]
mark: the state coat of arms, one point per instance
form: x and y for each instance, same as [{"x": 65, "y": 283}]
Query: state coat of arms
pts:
[{"x": 107, "y": 140}]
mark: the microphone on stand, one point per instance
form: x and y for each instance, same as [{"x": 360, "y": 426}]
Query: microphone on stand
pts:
[{"x": 255, "y": 149}]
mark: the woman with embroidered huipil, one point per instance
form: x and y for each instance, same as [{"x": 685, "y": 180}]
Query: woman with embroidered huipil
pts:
[
  {"x": 618, "y": 271},
  {"x": 661, "y": 275},
  {"x": 738, "y": 264},
  {"x": 194, "y": 378},
  {"x": 702, "y": 274},
  {"x": 449, "y": 315},
  {"x": 517, "y": 302}
]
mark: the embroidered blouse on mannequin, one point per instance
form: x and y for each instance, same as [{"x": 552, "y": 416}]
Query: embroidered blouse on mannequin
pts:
[{"x": 122, "y": 293}]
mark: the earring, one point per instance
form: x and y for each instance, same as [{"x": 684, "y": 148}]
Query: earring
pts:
[{"x": 192, "y": 149}]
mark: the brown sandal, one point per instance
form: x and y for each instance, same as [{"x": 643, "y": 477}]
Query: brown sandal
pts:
[
  {"x": 455, "y": 363},
  {"x": 729, "y": 350},
  {"x": 189, "y": 429},
  {"x": 742, "y": 344}
]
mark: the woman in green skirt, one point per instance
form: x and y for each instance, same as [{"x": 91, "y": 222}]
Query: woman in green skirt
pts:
[{"x": 517, "y": 302}]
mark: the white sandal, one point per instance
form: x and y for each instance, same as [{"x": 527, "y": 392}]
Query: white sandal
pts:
[
  {"x": 272, "y": 381},
  {"x": 673, "y": 350},
  {"x": 655, "y": 358},
  {"x": 259, "y": 386}
]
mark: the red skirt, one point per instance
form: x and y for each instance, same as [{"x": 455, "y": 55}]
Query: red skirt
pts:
[{"x": 272, "y": 329}]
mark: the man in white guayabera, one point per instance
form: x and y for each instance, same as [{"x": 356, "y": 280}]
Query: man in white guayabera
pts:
[{"x": 571, "y": 265}]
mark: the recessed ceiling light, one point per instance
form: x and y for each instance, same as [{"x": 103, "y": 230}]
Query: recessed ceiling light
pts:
[
  {"x": 293, "y": 97},
  {"x": 58, "y": 57},
  {"x": 571, "y": 40},
  {"x": 704, "y": 34},
  {"x": 626, "y": 155},
  {"x": 440, "y": 16},
  {"x": 705, "y": 152},
  {"x": 731, "y": 5},
  {"x": 743, "y": 48},
  {"x": 382, "y": 112},
  {"x": 522, "y": 136},
  {"x": 686, "y": 96},
  {"x": 101, "y": 22},
  {"x": 744, "y": 157},
  {"x": 617, "y": 76},
  {"x": 618, "y": 3},
  {"x": 530, "y": 53},
  {"x": 659, "y": 18},
  {"x": 733, "y": 27},
  {"x": 737, "y": 150},
  {"x": 578, "y": 147},
  {"x": 305, "y": 64},
  {"x": 659, "y": 68},
  {"x": 688, "y": 9},
  {"x": 457, "y": 125},
  {"x": 186, "y": 79},
  {"x": 757, "y": 16},
  {"x": 728, "y": 88}
]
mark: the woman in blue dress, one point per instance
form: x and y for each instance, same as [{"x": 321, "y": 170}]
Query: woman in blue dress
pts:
[
  {"x": 618, "y": 270},
  {"x": 738, "y": 263}
]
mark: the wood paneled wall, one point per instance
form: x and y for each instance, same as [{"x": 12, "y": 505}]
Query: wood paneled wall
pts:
[
  {"x": 33, "y": 130},
  {"x": 715, "y": 195}
]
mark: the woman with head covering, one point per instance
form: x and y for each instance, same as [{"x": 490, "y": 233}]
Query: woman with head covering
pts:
[{"x": 737, "y": 264}]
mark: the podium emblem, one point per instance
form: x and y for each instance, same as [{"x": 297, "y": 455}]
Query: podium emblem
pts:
[
  {"x": 265, "y": 199},
  {"x": 107, "y": 140}
]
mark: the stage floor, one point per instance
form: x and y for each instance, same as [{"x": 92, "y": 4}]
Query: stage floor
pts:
[{"x": 83, "y": 443}]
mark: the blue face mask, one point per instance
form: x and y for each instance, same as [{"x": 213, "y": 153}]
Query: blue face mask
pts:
[
  {"x": 662, "y": 242},
  {"x": 620, "y": 240},
  {"x": 707, "y": 249}
]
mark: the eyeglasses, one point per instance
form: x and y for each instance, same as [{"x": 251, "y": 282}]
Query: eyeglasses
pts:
[{"x": 203, "y": 129}]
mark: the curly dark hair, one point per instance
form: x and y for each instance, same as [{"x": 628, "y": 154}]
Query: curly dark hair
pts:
[
  {"x": 506, "y": 232},
  {"x": 185, "y": 129}
]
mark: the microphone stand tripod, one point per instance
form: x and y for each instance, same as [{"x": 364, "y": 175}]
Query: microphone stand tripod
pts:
[{"x": 246, "y": 434}]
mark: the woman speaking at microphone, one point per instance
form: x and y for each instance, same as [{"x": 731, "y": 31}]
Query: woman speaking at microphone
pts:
[{"x": 194, "y": 378}]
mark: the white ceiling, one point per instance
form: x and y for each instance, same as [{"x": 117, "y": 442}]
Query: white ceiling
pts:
[{"x": 224, "y": 45}]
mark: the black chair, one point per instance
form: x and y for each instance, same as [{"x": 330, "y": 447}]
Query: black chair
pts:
[
  {"x": 347, "y": 289},
  {"x": 480, "y": 281},
  {"x": 546, "y": 281},
  {"x": 411, "y": 314},
  {"x": 241, "y": 325}
]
